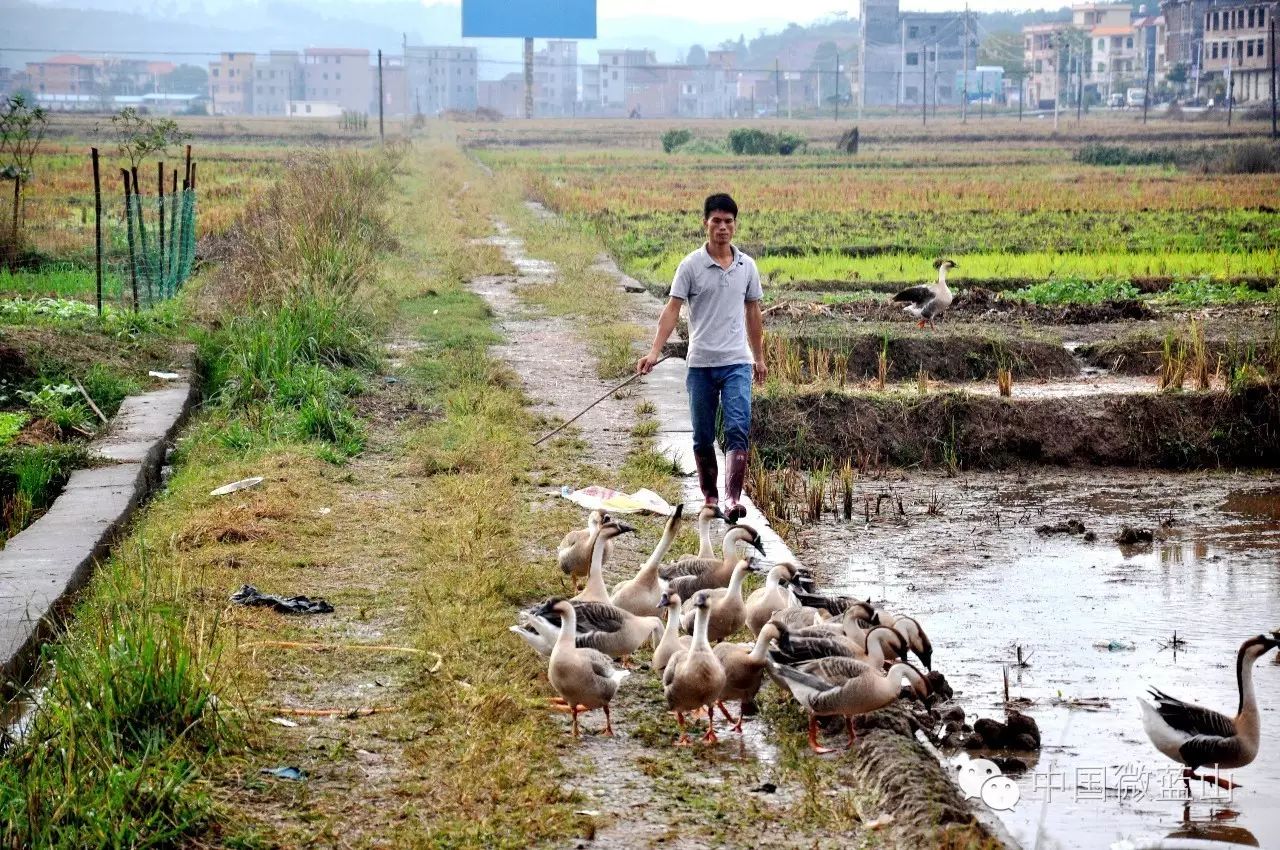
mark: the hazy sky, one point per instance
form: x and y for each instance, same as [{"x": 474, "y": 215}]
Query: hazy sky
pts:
[{"x": 799, "y": 11}]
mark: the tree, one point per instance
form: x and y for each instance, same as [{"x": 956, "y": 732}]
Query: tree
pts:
[
  {"x": 187, "y": 79},
  {"x": 138, "y": 137},
  {"x": 697, "y": 56},
  {"x": 1177, "y": 74},
  {"x": 22, "y": 127},
  {"x": 1005, "y": 49}
]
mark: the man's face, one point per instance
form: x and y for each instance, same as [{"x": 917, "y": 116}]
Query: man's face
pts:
[{"x": 720, "y": 227}]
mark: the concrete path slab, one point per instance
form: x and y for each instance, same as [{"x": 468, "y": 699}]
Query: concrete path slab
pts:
[{"x": 42, "y": 566}]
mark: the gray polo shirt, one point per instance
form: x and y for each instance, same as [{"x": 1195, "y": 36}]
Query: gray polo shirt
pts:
[{"x": 717, "y": 323}]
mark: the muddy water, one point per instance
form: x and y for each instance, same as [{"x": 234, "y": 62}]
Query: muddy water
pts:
[{"x": 1091, "y": 618}]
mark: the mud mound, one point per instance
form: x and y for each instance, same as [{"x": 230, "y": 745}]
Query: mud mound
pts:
[
  {"x": 946, "y": 357},
  {"x": 1168, "y": 430}
]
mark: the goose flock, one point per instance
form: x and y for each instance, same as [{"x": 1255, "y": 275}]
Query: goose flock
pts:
[{"x": 836, "y": 656}]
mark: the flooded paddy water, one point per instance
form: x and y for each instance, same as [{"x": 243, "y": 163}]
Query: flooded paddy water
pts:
[{"x": 1094, "y": 620}]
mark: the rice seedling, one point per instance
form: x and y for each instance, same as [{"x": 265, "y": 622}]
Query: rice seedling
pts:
[
  {"x": 922, "y": 381},
  {"x": 1004, "y": 381},
  {"x": 1198, "y": 367},
  {"x": 1173, "y": 362}
]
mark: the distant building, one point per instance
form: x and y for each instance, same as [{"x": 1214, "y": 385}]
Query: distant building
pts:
[
  {"x": 68, "y": 74},
  {"x": 555, "y": 79},
  {"x": 1041, "y": 54},
  {"x": 338, "y": 75},
  {"x": 277, "y": 80},
  {"x": 908, "y": 58},
  {"x": 505, "y": 96},
  {"x": 440, "y": 78},
  {"x": 620, "y": 76},
  {"x": 1237, "y": 49},
  {"x": 231, "y": 84}
]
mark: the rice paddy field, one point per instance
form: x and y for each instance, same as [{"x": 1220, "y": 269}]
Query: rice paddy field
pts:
[{"x": 1111, "y": 358}]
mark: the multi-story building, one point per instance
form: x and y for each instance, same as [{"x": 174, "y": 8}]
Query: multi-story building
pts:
[
  {"x": 1042, "y": 53},
  {"x": 555, "y": 79},
  {"x": 231, "y": 84},
  {"x": 622, "y": 74},
  {"x": 440, "y": 78},
  {"x": 277, "y": 80},
  {"x": 338, "y": 75},
  {"x": 68, "y": 74},
  {"x": 1237, "y": 49},
  {"x": 908, "y": 57}
]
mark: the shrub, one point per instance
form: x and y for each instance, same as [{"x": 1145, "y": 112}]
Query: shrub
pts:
[
  {"x": 753, "y": 142},
  {"x": 1246, "y": 158},
  {"x": 1103, "y": 154},
  {"x": 672, "y": 140}
]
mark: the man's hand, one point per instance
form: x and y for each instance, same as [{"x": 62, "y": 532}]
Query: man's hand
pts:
[
  {"x": 645, "y": 364},
  {"x": 760, "y": 371}
]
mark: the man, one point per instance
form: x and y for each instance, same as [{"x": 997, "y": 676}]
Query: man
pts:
[{"x": 726, "y": 347}]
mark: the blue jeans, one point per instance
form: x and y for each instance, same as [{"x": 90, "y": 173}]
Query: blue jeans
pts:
[{"x": 712, "y": 388}]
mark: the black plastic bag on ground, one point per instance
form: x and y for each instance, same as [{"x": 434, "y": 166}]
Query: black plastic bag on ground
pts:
[{"x": 250, "y": 595}]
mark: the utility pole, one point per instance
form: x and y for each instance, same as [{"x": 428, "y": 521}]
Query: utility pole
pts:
[
  {"x": 837, "y": 100},
  {"x": 1231, "y": 80},
  {"x": 528, "y": 78},
  {"x": 924, "y": 85},
  {"x": 1146, "y": 96},
  {"x": 382, "y": 137},
  {"x": 1079, "y": 82},
  {"x": 964, "y": 92}
]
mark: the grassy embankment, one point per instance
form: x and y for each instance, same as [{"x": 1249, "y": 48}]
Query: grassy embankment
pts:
[{"x": 153, "y": 728}]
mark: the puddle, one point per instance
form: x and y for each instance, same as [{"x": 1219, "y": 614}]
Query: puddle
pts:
[{"x": 984, "y": 582}]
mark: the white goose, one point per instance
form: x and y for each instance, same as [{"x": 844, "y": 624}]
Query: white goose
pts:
[
  {"x": 595, "y": 591},
  {"x": 1199, "y": 737},
  {"x": 929, "y": 301},
  {"x": 672, "y": 641}
]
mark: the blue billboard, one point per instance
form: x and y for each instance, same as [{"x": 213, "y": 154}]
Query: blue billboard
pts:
[{"x": 528, "y": 18}]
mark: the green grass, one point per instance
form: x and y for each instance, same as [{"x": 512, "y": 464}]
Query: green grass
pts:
[
  {"x": 58, "y": 281},
  {"x": 1077, "y": 291}
]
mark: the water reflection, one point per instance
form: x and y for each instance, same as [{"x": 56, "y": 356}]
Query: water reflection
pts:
[{"x": 1215, "y": 826}]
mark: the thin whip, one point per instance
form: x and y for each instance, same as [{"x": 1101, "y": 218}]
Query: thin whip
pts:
[{"x": 594, "y": 403}]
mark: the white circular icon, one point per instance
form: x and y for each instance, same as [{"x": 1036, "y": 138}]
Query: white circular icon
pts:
[
  {"x": 1000, "y": 793},
  {"x": 975, "y": 772}
]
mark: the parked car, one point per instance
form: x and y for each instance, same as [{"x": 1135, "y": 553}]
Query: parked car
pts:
[
  {"x": 1135, "y": 97},
  {"x": 1116, "y": 100}
]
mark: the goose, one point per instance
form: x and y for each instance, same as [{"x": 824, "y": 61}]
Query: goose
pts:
[
  {"x": 694, "y": 677},
  {"x": 844, "y": 687},
  {"x": 909, "y": 628},
  {"x": 574, "y": 552},
  {"x": 797, "y": 618},
  {"x": 880, "y": 643},
  {"x": 607, "y": 628},
  {"x": 595, "y": 591},
  {"x": 774, "y": 596},
  {"x": 586, "y": 678},
  {"x": 706, "y": 515},
  {"x": 929, "y": 301},
  {"x": 744, "y": 668},
  {"x": 728, "y": 612},
  {"x": 536, "y": 632},
  {"x": 838, "y": 606},
  {"x": 1198, "y": 737},
  {"x": 640, "y": 595},
  {"x": 672, "y": 640},
  {"x": 689, "y": 577}
]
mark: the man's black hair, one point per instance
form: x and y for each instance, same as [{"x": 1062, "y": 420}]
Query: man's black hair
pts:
[{"x": 719, "y": 202}]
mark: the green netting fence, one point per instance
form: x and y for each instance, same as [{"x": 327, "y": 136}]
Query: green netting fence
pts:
[{"x": 159, "y": 236}]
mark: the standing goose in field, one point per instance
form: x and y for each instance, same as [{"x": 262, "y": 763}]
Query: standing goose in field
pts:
[
  {"x": 929, "y": 301},
  {"x": 694, "y": 677},
  {"x": 672, "y": 641},
  {"x": 846, "y": 688},
  {"x": 689, "y": 577},
  {"x": 1199, "y": 737},
  {"x": 728, "y": 612},
  {"x": 640, "y": 594},
  {"x": 706, "y": 516},
  {"x": 574, "y": 552},
  {"x": 774, "y": 596},
  {"x": 607, "y": 628},
  {"x": 586, "y": 678},
  {"x": 744, "y": 668},
  {"x": 595, "y": 591}
]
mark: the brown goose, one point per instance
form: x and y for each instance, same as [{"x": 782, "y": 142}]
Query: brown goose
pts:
[
  {"x": 595, "y": 591},
  {"x": 688, "y": 577},
  {"x": 744, "y": 667},
  {"x": 706, "y": 516},
  {"x": 672, "y": 640},
  {"x": 607, "y": 628},
  {"x": 640, "y": 594},
  {"x": 574, "y": 552},
  {"x": 844, "y": 687},
  {"x": 694, "y": 678},
  {"x": 929, "y": 301},
  {"x": 774, "y": 596},
  {"x": 728, "y": 611},
  {"x": 585, "y": 678},
  {"x": 1200, "y": 737}
]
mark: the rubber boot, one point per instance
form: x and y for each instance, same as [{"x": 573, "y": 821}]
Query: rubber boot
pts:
[
  {"x": 708, "y": 471},
  {"x": 735, "y": 473}
]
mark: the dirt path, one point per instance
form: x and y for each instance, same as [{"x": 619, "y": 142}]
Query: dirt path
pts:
[{"x": 637, "y": 789}]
